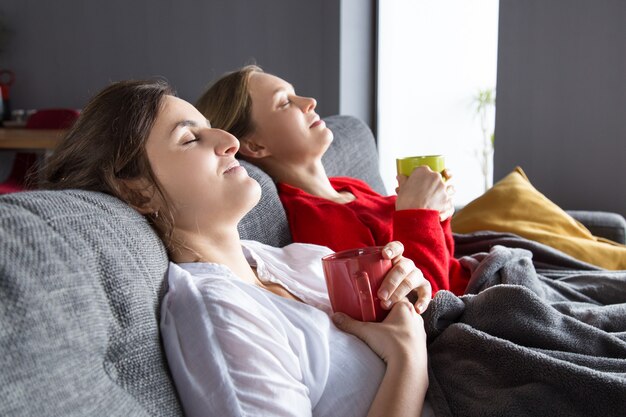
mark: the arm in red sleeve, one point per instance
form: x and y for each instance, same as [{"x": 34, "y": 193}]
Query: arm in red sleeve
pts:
[
  {"x": 447, "y": 234},
  {"x": 422, "y": 236}
]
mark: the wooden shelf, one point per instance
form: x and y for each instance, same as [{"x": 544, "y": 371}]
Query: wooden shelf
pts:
[{"x": 30, "y": 139}]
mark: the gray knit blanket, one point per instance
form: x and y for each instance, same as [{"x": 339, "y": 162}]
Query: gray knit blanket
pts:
[{"x": 538, "y": 333}]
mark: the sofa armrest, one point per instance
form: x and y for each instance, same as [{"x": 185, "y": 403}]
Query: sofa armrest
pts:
[{"x": 610, "y": 226}]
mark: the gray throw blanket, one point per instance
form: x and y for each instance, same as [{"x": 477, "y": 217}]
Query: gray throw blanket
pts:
[{"x": 538, "y": 333}]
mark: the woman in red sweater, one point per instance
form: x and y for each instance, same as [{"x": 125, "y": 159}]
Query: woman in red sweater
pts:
[{"x": 281, "y": 133}]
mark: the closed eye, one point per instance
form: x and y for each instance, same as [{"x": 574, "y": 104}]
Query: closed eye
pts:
[
  {"x": 187, "y": 142},
  {"x": 285, "y": 104}
]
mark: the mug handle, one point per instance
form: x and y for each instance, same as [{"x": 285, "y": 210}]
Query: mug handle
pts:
[{"x": 366, "y": 300}]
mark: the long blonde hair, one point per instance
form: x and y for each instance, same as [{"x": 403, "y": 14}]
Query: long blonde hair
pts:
[{"x": 227, "y": 103}]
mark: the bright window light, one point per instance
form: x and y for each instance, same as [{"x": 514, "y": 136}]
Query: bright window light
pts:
[{"x": 434, "y": 57}]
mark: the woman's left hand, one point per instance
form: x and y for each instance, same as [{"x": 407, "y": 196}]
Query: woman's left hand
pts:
[{"x": 403, "y": 278}]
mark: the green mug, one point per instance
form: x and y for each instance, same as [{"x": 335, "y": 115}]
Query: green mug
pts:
[{"x": 406, "y": 165}]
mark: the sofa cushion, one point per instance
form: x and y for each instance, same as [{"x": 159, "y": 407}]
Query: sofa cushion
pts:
[
  {"x": 513, "y": 205},
  {"x": 353, "y": 152},
  {"x": 81, "y": 276}
]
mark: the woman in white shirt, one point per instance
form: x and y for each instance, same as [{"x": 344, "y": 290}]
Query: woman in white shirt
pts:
[{"x": 246, "y": 327}]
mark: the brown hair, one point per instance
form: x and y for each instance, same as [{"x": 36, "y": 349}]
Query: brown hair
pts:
[
  {"x": 227, "y": 103},
  {"x": 106, "y": 146}
]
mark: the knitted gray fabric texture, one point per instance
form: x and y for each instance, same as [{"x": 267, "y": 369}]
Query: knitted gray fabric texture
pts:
[{"x": 81, "y": 276}]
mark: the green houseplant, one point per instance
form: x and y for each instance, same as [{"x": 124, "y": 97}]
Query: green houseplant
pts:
[{"x": 485, "y": 101}]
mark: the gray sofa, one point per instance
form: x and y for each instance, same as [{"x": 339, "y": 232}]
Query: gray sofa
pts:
[{"x": 81, "y": 276}]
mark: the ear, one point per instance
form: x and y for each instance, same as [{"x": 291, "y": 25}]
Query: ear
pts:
[
  {"x": 141, "y": 195},
  {"x": 252, "y": 148}
]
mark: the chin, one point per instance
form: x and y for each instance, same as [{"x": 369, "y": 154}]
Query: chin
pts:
[
  {"x": 252, "y": 195},
  {"x": 328, "y": 139},
  {"x": 247, "y": 199},
  {"x": 257, "y": 192},
  {"x": 329, "y": 135}
]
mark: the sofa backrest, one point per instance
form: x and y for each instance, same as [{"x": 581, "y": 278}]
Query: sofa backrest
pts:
[{"x": 81, "y": 277}]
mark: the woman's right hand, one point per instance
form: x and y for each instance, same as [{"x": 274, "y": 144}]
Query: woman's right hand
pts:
[
  {"x": 425, "y": 189},
  {"x": 398, "y": 338}
]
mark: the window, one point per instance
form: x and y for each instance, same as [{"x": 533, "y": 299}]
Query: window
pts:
[{"x": 433, "y": 59}]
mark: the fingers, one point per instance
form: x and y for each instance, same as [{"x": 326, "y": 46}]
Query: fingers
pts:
[
  {"x": 401, "y": 180},
  {"x": 445, "y": 215},
  {"x": 450, "y": 190},
  {"x": 360, "y": 329},
  {"x": 403, "y": 278},
  {"x": 421, "y": 174},
  {"x": 349, "y": 325},
  {"x": 393, "y": 249},
  {"x": 448, "y": 209},
  {"x": 424, "y": 189},
  {"x": 401, "y": 332},
  {"x": 447, "y": 212},
  {"x": 421, "y": 171},
  {"x": 424, "y": 296},
  {"x": 425, "y": 175},
  {"x": 399, "y": 281},
  {"x": 400, "y": 308}
]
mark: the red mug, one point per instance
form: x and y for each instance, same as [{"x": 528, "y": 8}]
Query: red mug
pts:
[{"x": 353, "y": 278}]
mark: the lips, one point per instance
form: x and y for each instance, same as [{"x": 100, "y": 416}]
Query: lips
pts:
[
  {"x": 316, "y": 123},
  {"x": 232, "y": 167}
]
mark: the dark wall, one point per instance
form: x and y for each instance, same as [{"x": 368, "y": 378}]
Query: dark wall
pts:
[
  {"x": 64, "y": 51},
  {"x": 561, "y": 105}
]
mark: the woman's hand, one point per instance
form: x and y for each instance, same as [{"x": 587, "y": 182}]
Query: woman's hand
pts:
[
  {"x": 425, "y": 189},
  {"x": 400, "y": 341},
  {"x": 403, "y": 278},
  {"x": 400, "y": 336}
]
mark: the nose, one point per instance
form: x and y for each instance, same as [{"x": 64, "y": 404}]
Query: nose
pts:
[
  {"x": 307, "y": 104},
  {"x": 227, "y": 144}
]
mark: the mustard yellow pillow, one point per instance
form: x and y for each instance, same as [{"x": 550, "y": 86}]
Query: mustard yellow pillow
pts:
[{"x": 513, "y": 205}]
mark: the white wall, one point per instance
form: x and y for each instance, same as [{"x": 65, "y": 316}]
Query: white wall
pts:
[
  {"x": 433, "y": 58},
  {"x": 356, "y": 59}
]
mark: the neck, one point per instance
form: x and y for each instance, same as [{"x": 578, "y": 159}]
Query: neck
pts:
[
  {"x": 221, "y": 247},
  {"x": 310, "y": 178}
]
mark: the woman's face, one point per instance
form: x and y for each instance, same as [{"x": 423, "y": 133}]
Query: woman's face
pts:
[
  {"x": 285, "y": 123},
  {"x": 197, "y": 169}
]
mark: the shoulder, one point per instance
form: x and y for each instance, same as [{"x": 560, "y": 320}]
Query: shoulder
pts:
[
  {"x": 190, "y": 277},
  {"x": 293, "y": 249},
  {"x": 295, "y": 257},
  {"x": 215, "y": 302},
  {"x": 190, "y": 286}
]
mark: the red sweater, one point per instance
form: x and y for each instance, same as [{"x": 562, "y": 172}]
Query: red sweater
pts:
[{"x": 370, "y": 220}]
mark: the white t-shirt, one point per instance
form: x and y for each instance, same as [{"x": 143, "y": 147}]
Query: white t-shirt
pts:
[{"x": 235, "y": 349}]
